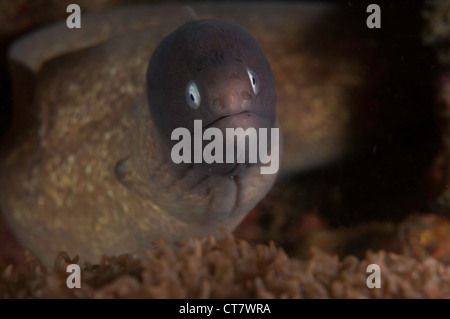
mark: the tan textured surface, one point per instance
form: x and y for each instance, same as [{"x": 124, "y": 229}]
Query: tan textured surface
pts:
[
  {"x": 229, "y": 268},
  {"x": 437, "y": 29}
]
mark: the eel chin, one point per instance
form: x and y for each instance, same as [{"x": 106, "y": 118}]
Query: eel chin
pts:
[{"x": 241, "y": 133}]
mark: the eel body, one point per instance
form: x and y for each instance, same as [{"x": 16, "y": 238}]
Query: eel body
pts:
[{"x": 85, "y": 165}]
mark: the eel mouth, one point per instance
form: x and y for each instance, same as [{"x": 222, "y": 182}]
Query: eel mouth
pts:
[
  {"x": 235, "y": 170},
  {"x": 226, "y": 116},
  {"x": 245, "y": 143}
]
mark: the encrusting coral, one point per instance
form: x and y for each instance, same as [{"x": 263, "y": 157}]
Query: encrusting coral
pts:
[{"x": 229, "y": 268}]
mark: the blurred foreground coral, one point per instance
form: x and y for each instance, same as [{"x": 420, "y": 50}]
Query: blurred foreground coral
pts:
[{"x": 229, "y": 268}]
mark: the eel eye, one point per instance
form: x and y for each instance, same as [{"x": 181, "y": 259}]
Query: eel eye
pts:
[
  {"x": 253, "y": 80},
  {"x": 193, "y": 95}
]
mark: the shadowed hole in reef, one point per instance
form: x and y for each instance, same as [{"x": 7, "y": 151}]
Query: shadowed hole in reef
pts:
[{"x": 382, "y": 176}]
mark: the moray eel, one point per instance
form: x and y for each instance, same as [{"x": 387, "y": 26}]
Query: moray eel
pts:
[
  {"x": 86, "y": 165},
  {"x": 209, "y": 70}
]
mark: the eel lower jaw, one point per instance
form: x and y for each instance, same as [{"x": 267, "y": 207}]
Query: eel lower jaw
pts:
[
  {"x": 242, "y": 120},
  {"x": 238, "y": 169}
]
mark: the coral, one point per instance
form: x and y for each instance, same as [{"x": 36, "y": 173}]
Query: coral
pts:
[{"x": 230, "y": 268}]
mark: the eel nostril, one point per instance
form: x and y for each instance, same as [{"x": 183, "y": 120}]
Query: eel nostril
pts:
[
  {"x": 245, "y": 95},
  {"x": 217, "y": 103}
]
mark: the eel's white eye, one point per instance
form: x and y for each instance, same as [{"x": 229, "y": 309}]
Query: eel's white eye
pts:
[
  {"x": 193, "y": 95},
  {"x": 253, "y": 80}
]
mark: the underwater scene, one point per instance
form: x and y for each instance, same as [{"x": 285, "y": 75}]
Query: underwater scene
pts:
[{"x": 260, "y": 149}]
